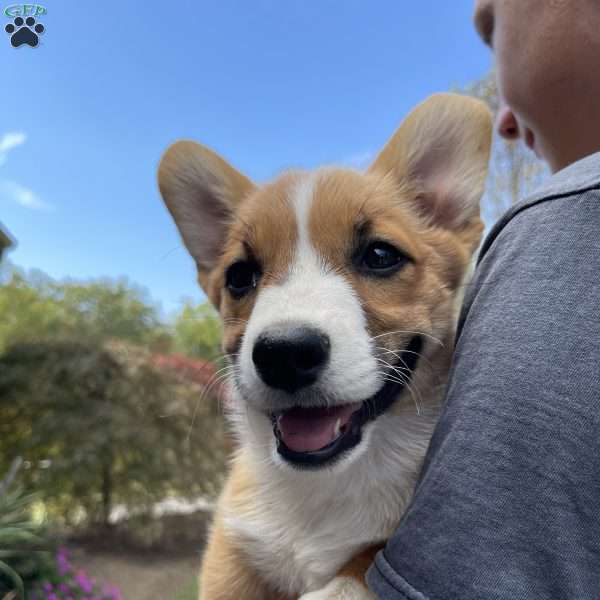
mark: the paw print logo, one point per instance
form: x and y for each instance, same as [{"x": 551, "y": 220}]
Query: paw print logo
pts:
[{"x": 24, "y": 32}]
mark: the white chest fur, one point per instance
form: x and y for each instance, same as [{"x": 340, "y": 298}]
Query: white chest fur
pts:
[{"x": 298, "y": 528}]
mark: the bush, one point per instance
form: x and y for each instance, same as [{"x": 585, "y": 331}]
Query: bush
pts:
[
  {"x": 198, "y": 331},
  {"x": 27, "y": 567},
  {"x": 24, "y": 553},
  {"x": 69, "y": 583},
  {"x": 100, "y": 427}
]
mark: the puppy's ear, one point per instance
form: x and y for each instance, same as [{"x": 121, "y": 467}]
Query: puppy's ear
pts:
[
  {"x": 201, "y": 191},
  {"x": 441, "y": 153}
]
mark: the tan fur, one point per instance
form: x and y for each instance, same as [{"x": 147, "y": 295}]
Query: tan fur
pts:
[
  {"x": 421, "y": 194},
  {"x": 225, "y": 567},
  {"x": 422, "y": 144},
  {"x": 439, "y": 257},
  {"x": 357, "y": 567},
  {"x": 265, "y": 224},
  {"x": 190, "y": 178}
]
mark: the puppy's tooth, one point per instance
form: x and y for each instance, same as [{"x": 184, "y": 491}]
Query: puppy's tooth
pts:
[{"x": 336, "y": 430}]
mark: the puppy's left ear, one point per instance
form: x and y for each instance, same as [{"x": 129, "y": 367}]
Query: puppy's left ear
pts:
[
  {"x": 202, "y": 192},
  {"x": 440, "y": 153}
]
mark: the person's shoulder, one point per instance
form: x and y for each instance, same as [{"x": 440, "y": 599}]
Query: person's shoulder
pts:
[{"x": 580, "y": 179}]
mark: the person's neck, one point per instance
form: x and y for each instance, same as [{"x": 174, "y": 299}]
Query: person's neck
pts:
[{"x": 579, "y": 153}]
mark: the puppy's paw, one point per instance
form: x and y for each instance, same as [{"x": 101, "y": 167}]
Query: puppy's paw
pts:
[{"x": 341, "y": 588}]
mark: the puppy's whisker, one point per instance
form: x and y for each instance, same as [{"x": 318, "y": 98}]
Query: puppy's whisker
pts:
[
  {"x": 403, "y": 374},
  {"x": 416, "y": 395},
  {"x": 422, "y": 358},
  {"x": 427, "y": 335},
  {"x": 409, "y": 387},
  {"x": 407, "y": 369},
  {"x": 224, "y": 374},
  {"x": 394, "y": 368},
  {"x": 229, "y": 382},
  {"x": 435, "y": 372},
  {"x": 227, "y": 370},
  {"x": 204, "y": 395}
]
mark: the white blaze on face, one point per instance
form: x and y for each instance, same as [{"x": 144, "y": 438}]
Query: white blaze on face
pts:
[{"x": 314, "y": 295}]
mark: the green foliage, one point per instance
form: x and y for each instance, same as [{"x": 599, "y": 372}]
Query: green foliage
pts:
[
  {"x": 190, "y": 592},
  {"x": 27, "y": 310},
  {"x": 32, "y": 567},
  {"x": 99, "y": 426},
  {"x": 198, "y": 331},
  {"x": 67, "y": 582},
  {"x": 35, "y": 307},
  {"x": 106, "y": 310},
  {"x": 23, "y": 560},
  {"x": 100, "y": 421}
]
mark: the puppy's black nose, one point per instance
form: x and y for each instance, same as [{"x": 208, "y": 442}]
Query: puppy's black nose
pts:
[{"x": 290, "y": 359}]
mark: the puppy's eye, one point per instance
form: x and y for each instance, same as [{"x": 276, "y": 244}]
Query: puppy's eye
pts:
[
  {"x": 242, "y": 277},
  {"x": 381, "y": 258}
]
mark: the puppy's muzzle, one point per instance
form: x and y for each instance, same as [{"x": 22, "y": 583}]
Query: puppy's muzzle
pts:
[{"x": 290, "y": 358}]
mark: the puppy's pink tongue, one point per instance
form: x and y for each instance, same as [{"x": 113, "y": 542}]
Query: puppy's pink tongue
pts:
[{"x": 310, "y": 429}]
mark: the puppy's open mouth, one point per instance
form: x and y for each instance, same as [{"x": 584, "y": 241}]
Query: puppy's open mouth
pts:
[{"x": 315, "y": 436}]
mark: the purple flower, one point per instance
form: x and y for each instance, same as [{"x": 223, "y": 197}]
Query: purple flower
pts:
[
  {"x": 64, "y": 588},
  {"x": 76, "y": 584},
  {"x": 84, "y": 582},
  {"x": 112, "y": 592},
  {"x": 62, "y": 560}
]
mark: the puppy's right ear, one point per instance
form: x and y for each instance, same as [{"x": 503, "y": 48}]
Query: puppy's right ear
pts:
[{"x": 201, "y": 191}]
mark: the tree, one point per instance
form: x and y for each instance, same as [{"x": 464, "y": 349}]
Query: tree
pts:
[
  {"x": 514, "y": 170},
  {"x": 99, "y": 425},
  {"x": 35, "y": 307},
  {"x": 27, "y": 310},
  {"x": 198, "y": 331}
]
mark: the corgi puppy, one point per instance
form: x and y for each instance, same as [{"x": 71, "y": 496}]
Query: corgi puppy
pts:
[{"x": 338, "y": 293}]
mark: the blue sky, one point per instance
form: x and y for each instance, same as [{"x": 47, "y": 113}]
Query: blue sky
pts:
[{"x": 269, "y": 84}]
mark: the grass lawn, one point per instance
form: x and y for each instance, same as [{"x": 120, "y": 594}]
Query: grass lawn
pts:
[
  {"x": 139, "y": 577},
  {"x": 189, "y": 592}
]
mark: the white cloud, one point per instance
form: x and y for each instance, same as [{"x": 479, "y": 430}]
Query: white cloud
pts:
[
  {"x": 23, "y": 196},
  {"x": 13, "y": 192},
  {"x": 8, "y": 141}
]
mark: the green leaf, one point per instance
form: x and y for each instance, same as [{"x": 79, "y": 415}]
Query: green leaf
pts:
[{"x": 14, "y": 577}]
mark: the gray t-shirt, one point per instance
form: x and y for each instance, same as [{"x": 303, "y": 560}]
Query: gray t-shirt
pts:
[{"x": 508, "y": 505}]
